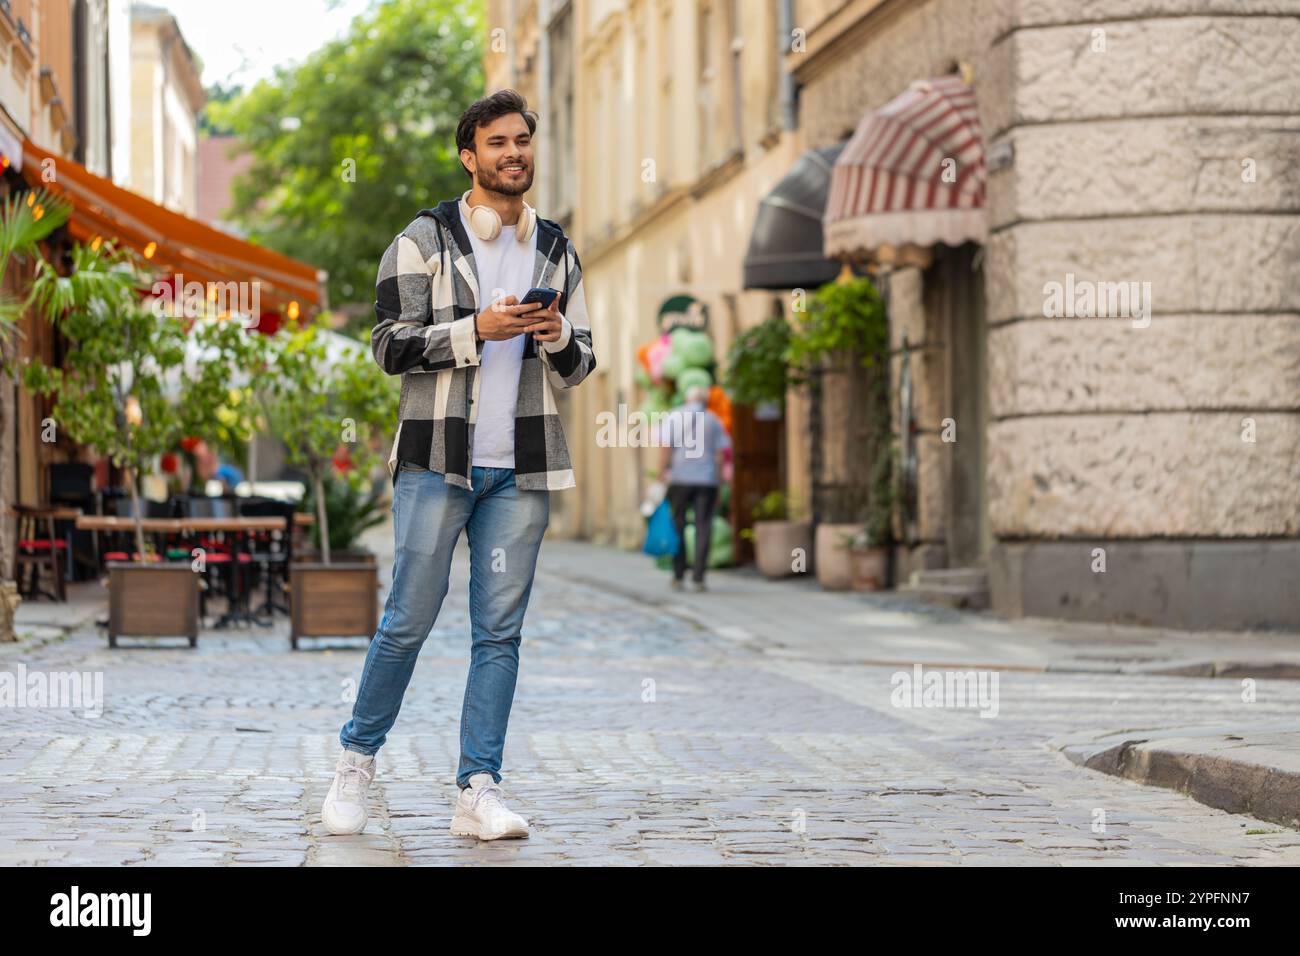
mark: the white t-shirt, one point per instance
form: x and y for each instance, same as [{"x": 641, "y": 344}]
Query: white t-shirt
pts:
[{"x": 504, "y": 267}]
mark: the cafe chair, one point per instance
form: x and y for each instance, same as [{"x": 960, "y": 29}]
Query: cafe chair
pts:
[
  {"x": 37, "y": 548},
  {"x": 124, "y": 542},
  {"x": 271, "y": 550},
  {"x": 72, "y": 484},
  {"x": 216, "y": 579}
]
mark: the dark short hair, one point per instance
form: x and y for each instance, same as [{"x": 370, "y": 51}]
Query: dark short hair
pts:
[{"x": 484, "y": 111}]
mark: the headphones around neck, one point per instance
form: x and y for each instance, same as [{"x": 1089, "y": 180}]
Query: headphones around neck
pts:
[{"x": 486, "y": 222}]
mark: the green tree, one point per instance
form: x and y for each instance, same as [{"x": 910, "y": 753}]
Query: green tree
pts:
[
  {"x": 124, "y": 387},
  {"x": 320, "y": 406},
  {"x": 26, "y": 219},
  {"x": 348, "y": 146},
  {"x": 217, "y": 93}
]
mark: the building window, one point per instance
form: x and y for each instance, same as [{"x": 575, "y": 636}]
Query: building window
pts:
[
  {"x": 664, "y": 151},
  {"x": 736, "y": 47},
  {"x": 561, "y": 135},
  {"x": 706, "y": 85}
]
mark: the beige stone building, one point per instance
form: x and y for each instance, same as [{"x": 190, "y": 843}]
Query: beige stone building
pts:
[
  {"x": 166, "y": 96},
  {"x": 1132, "y": 147},
  {"x": 1105, "y": 382},
  {"x": 661, "y": 122}
]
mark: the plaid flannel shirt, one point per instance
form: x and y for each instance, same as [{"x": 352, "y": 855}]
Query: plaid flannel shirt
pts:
[{"x": 426, "y": 297}]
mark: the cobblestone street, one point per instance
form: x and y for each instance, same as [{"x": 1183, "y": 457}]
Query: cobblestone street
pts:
[{"x": 637, "y": 737}]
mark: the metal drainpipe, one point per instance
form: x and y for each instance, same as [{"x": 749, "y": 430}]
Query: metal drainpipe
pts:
[
  {"x": 785, "y": 23},
  {"x": 789, "y": 121},
  {"x": 815, "y": 451},
  {"x": 511, "y": 18}
]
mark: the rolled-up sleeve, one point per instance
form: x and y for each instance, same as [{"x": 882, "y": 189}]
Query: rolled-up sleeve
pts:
[{"x": 404, "y": 336}]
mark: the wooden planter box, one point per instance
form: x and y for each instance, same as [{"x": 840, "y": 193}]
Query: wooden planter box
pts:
[
  {"x": 333, "y": 600},
  {"x": 152, "y": 600},
  {"x": 348, "y": 556}
]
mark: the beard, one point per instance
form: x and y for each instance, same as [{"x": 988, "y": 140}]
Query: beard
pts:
[{"x": 494, "y": 181}]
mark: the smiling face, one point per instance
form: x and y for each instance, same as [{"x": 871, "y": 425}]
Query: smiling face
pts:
[{"x": 502, "y": 158}]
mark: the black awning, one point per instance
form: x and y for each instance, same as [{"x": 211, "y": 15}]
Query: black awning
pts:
[{"x": 785, "y": 248}]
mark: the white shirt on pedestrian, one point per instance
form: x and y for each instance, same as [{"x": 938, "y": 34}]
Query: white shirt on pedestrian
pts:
[{"x": 504, "y": 267}]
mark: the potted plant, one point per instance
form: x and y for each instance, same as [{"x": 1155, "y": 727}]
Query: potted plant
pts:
[
  {"x": 831, "y": 556},
  {"x": 328, "y": 409},
  {"x": 782, "y": 546},
  {"x": 846, "y": 323},
  {"x": 869, "y": 547},
  {"x": 26, "y": 219},
  {"x": 350, "y": 510},
  {"x": 124, "y": 389},
  {"x": 757, "y": 367}
]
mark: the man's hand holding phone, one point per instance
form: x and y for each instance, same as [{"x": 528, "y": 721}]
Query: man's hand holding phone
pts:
[
  {"x": 508, "y": 317},
  {"x": 504, "y": 319}
]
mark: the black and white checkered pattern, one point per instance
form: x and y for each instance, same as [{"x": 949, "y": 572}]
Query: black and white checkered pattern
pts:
[{"x": 426, "y": 297}]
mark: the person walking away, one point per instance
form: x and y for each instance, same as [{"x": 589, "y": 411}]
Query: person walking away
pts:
[{"x": 694, "y": 446}]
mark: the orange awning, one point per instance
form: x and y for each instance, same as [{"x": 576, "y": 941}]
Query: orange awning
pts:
[{"x": 180, "y": 244}]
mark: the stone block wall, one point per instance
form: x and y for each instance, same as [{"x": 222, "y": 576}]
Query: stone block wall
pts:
[{"x": 1153, "y": 142}]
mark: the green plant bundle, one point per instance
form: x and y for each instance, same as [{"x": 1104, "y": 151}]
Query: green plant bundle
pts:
[
  {"x": 773, "y": 506},
  {"x": 350, "y": 511},
  {"x": 843, "y": 317},
  {"x": 757, "y": 371}
]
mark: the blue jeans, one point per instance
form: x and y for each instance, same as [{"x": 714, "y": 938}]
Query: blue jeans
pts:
[{"x": 504, "y": 526}]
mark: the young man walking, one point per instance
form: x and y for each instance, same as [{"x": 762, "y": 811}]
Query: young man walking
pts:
[{"x": 478, "y": 448}]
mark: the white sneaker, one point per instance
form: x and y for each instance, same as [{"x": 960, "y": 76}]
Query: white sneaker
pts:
[
  {"x": 480, "y": 812},
  {"x": 345, "y": 811}
]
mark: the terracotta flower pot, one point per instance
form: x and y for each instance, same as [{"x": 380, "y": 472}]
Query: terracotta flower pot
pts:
[
  {"x": 869, "y": 568},
  {"x": 778, "y": 546},
  {"x": 834, "y": 569}
]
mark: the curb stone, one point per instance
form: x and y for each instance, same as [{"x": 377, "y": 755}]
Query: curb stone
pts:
[{"x": 1255, "y": 772}]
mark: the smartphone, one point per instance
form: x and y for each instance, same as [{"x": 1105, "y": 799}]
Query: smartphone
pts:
[{"x": 545, "y": 296}]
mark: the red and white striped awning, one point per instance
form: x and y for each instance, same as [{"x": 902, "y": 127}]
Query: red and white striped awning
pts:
[{"x": 911, "y": 175}]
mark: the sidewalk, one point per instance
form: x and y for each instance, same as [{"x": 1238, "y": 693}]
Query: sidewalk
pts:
[
  {"x": 794, "y": 617},
  {"x": 1246, "y": 768},
  {"x": 38, "y": 621}
]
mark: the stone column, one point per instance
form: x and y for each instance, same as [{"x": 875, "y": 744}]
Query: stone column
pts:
[{"x": 1153, "y": 430}]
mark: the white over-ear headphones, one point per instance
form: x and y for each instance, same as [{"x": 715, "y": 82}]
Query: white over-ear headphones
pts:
[{"x": 486, "y": 223}]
